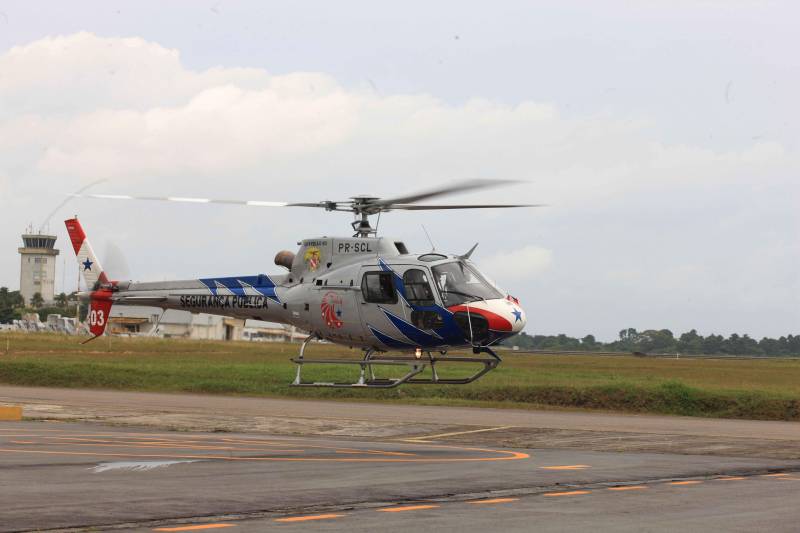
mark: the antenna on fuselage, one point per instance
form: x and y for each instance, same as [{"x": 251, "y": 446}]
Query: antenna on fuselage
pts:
[{"x": 433, "y": 246}]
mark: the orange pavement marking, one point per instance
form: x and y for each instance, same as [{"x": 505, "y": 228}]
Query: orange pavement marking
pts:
[
  {"x": 307, "y": 518},
  {"x": 692, "y": 482},
  {"x": 731, "y": 478},
  {"x": 17, "y": 429},
  {"x": 150, "y": 442},
  {"x": 509, "y": 456},
  {"x": 406, "y": 508},
  {"x": 775, "y": 475},
  {"x": 789, "y": 478},
  {"x": 163, "y": 441},
  {"x": 628, "y": 487},
  {"x": 149, "y": 446},
  {"x": 567, "y": 493},
  {"x": 495, "y": 500},
  {"x": 375, "y": 452},
  {"x": 505, "y": 455},
  {"x": 565, "y": 467},
  {"x": 193, "y": 528}
]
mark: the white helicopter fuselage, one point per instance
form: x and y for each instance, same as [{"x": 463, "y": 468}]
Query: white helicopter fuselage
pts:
[{"x": 365, "y": 292}]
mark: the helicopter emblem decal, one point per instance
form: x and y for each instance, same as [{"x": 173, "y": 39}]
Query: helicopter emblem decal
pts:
[
  {"x": 331, "y": 308},
  {"x": 313, "y": 257}
]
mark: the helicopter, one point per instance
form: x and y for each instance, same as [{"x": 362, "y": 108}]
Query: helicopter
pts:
[{"x": 362, "y": 291}]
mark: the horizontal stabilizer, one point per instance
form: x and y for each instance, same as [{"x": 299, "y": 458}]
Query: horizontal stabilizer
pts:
[{"x": 139, "y": 300}]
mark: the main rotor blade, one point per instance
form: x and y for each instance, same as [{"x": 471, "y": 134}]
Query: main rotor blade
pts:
[
  {"x": 454, "y": 188},
  {"x": 183, "y": 199},
  {"x": 329, "y": 205},
  {"x": 426, "y": 207}
]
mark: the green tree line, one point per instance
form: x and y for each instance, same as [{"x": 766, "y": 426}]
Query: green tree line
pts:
[
  {"x": 13, "y": 306},
  {"x": 663, "y": 341}
]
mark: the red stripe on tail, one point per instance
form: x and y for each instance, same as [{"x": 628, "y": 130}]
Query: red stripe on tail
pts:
[{"x": 76, "y": 234}]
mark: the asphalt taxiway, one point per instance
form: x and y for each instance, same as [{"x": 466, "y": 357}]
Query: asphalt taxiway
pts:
[{"x": 437, "y": 473}]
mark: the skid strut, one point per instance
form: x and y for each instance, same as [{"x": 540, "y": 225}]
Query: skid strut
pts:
[{"x": 367, "y": 378}]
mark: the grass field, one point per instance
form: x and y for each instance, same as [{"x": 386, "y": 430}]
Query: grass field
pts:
[{"x": 759, "y": 389}]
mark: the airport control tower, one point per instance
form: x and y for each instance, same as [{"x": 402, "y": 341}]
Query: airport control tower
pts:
[{"x": 38, "y": 266}]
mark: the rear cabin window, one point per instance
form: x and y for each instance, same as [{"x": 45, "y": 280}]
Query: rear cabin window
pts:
[
  {"x": 378, "y": 288},
  {"x": 418, "y": 288}
]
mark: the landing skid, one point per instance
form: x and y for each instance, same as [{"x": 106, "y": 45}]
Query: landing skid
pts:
[{"x": 367, "y": 378}]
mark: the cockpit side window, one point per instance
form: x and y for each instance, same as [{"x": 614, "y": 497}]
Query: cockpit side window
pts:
[
  {"x": 378, "y": 288},
  {"x": 418, "y": 288}
]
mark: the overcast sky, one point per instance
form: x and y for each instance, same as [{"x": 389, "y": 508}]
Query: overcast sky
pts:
[{"x": 664, "y": 135}]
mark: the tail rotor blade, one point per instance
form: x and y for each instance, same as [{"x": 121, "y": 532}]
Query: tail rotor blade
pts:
[{"x": 116, "y": 263}]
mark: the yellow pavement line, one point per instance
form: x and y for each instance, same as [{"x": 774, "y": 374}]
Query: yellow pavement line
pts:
[
  {"x": 194, "y": 528},
  {"x": 690, "y": 482},
  {"x": 567, "y": 493},
  {"x": 509, "y": 457},
  {"x": 149, "y": 446},
  {"x": 406, "y": 508},
  {"x": 731, "y": 478},
  {"x": 775, "y": 475},
  {"x": 442, "y": 435},
  {"x": 37, "y": 429},
  {"x": 565, "y": 467},
  {"x": 308, "y": 517},
  {"x": 505, "y": 455},
  {"x": 374, "y": 452},
  {"x": 628, "y": 487},
  {"x": 495, "y": 500}
]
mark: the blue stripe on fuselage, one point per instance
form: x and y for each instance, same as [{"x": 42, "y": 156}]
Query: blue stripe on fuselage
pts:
[
  {"x": 387, "y": 340},
  {"x": 261, "y": 283},
  {"x": 411, "y": 332}
]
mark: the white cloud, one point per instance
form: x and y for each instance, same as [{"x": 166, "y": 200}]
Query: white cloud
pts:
[{"x": 122, "y": 108}]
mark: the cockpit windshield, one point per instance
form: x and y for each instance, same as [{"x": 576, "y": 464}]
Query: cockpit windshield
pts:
[{"x": 461, "y": 283}]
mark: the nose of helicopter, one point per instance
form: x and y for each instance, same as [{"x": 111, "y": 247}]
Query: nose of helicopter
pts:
[
  {"x": 503, "y": 315},
  {"x": 510, "y": 308}
]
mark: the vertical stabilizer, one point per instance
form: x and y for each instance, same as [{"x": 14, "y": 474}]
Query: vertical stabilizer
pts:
[
  {"x": 88, "y": 264},
  {"x": 100, "y": 289}
]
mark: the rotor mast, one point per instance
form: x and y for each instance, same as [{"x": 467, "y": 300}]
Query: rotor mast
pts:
[{"x": 362, "y": 207}]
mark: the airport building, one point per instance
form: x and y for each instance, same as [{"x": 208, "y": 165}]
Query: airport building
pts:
[{"x": 37, "y": 266}]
